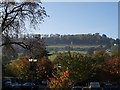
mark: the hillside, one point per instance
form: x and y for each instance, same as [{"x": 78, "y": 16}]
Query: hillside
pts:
[
  {"x": 79, "y": 42},
  {"x": 78, "y": 39}
]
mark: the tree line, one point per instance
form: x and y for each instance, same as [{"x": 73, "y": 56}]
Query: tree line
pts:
[{"x": 79, "y": 39}]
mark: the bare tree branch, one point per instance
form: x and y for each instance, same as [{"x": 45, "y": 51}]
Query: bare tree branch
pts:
[
  {"x": 14, "y": 15},
  {"x": 17, "y": 43}
]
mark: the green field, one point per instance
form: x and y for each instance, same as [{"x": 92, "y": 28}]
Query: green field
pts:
[
  {"x": 61, "y": 49},
  {"x": 74, "y": 46}
]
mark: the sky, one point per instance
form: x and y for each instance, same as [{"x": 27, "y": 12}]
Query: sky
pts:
[{"x": 80, "y": 18}]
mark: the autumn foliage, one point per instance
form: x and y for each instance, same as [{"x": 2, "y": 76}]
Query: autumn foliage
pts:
[
  {"x": 112, "y": 65},
  {"x": 20, "y": 68},
  {"x": 44, "y": 68},
  {"x": 62, "y": 82},
  {"x": 68, "y": 68}
]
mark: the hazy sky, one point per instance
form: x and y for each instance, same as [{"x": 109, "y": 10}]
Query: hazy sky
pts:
[{"x": 81, "y": 18}]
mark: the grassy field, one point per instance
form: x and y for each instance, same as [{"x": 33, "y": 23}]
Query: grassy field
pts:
[
  {"x": 74, "y": 46},
  {"x": 61, "y": 49}
]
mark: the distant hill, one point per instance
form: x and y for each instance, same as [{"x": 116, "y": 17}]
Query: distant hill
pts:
[{"x": 78, "y": 39}]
